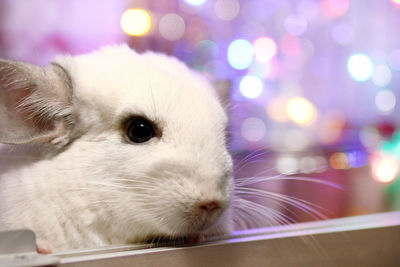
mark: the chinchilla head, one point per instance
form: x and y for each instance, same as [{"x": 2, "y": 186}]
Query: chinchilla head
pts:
[{"x": 141, "y": 134}]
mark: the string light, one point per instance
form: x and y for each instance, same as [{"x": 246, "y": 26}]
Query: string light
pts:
[{"x": 135, "y": 22}]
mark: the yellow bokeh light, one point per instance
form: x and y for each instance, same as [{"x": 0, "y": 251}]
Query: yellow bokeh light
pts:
[
  {"x": 300, "y": 110},
  {"x": 386, "y": 169},
  {"x": 135, "y": 22}
]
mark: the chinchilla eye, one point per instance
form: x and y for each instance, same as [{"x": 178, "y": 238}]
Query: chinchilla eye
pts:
[{"x": 140, "y": 130}]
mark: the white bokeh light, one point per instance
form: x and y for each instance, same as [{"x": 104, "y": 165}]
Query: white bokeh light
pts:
[
  {"x": 226, "y": 9},
  {"x": 240, "y": 54},
  {"x": 265, "y": 49},
  {"x": 295, "y": 25},
  {"x": 253, "y": 129},
  {"x": 251, "y": 86},
  {"x": 360, "y": 67},
  {"x": 287, "y": 164},
  {"x": 195, "y": 2},
  {"x": 172, "y": 27},
  {"x": 385, "y": 101}
]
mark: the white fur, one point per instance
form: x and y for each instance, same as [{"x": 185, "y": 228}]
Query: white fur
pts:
[{"x": 101, "y": 190}]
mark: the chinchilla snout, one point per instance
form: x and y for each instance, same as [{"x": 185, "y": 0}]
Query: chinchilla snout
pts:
[{"x": 192, "y": 198}]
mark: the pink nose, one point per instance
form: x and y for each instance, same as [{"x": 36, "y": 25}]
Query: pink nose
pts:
[{"x": 209, "y": 206}]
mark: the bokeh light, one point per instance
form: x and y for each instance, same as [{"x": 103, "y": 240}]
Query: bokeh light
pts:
[
  {"x": 226, "y": 9},
  {"x": 251, "y": 86},
  {"x": 195, "y": 2},
  {"x": 295, "y": 140},
  {"x": 360, "y": 67},
  {"x": 385, "y": 101},
  {"x": 396, "y": 3},
  {"x": 382, "y": 75},
  {"x": 265, "y": 49},
  {"x": 135, "y": 22},
  {"x": 290, "y": 45},
  {"x": 276, "y": 109},
  {"x": 331, "y": 127},
  {"x": 172, "y": 27},
  {"x": 287, "y": 164},
  {"x": 334, "y": 8},
  {"x": 356, "y": 158},
  {"x": 300, "y": 110},
  {"x": 370, "y": 136},
  {"x": 253, "y": 129},
  {"x": 307, "y": 165},
  {"x": 384, "y": 168},
  {"x": 338, "y": 161},
  {"x": 240, "y": 54},
  {"x": 295, "y": 25}
]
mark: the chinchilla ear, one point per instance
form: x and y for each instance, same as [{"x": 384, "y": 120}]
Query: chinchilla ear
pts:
[{"x": 35, "y": 103}]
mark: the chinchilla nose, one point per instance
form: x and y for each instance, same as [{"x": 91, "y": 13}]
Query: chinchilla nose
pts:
[{"x": 209, "y": 206}]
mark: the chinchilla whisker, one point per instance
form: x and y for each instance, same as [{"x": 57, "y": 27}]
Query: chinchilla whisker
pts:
[
  {"x": 300, "y": 204},
  {"x": 266, "y": 212},
  {"x": 253, "y": 180},
  {"x": 252, "y": 154},
  {"x": 279, "y": 203},
  {"x": 243, "y": 221},
  {"x": 249, "y": 158},
  {"x": 124, "y": 186},
  {"x": 264, "y": 193}
]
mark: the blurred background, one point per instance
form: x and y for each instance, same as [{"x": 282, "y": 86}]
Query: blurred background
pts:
[{"x": 314, "y": 85}]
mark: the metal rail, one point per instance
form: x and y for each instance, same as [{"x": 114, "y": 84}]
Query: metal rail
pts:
[{"x": 369, "y": 240}]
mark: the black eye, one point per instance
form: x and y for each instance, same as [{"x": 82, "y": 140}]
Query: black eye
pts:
[{"x": 140, "y": 130}]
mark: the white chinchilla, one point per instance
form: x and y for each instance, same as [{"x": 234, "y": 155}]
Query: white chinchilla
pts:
[{"x": 112, "y": 147}]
